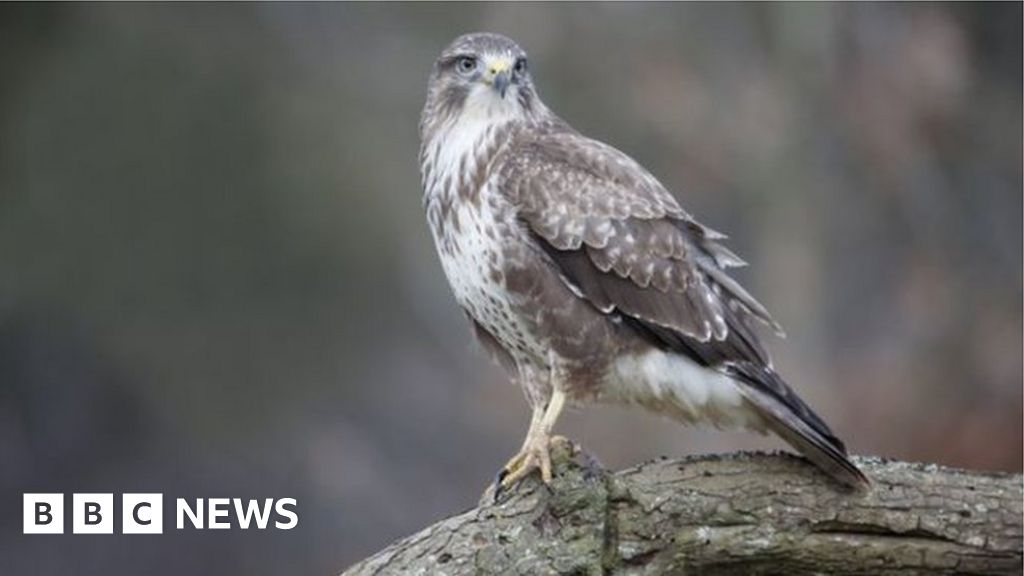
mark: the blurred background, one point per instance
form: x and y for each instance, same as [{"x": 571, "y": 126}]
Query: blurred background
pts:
[{"x": 216, "y": 279}]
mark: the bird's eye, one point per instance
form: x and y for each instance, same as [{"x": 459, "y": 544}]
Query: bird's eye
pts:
[
  {"x": 465, "y": 64},
  {"x": 520, "y": 67}
]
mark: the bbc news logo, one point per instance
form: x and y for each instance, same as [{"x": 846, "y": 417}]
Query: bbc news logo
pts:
[{"x": 143, "y": 513}]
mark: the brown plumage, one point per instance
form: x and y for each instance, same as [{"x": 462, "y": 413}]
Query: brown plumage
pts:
[{"x": 581, "y": 273}]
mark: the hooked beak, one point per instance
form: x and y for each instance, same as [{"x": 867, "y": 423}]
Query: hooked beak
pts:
[
  {"x": 501, "y": 82},
  {"x": 498, "y": 74}
]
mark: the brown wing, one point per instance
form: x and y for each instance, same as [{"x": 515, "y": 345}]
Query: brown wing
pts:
[
  {"x": 621, "y": 241},
  {"x": 624, "y": 243}
]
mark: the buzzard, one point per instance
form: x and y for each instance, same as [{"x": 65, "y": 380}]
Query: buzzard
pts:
[{"x": 581, "y": 274}]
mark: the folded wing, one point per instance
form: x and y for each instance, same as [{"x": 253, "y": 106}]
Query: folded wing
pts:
[{"x": 622, "y": 242}]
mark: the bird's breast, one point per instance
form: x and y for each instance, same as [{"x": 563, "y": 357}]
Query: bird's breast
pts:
[
  {"x": 474, "y": 227},
  {"x": 475, "y": 245}
]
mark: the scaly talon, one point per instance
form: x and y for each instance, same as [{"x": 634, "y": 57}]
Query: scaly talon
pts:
[
  {"x": 536, "y": 451},
  {"x": 510, "y": 468},
  {"x": 514, "y": 463},
  {"x": 535, "y": 455}
]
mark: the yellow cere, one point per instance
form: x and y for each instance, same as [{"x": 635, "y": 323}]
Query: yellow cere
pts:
[{"x": 495, "y": 65}]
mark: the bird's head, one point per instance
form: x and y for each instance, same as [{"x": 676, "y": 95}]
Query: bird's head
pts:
[{"x": 481, "y": 75}]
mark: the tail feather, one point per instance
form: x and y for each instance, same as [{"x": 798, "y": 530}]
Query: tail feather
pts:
[{"x": 793, "y": 421}]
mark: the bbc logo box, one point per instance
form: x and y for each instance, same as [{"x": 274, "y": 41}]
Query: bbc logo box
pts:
[
  {"x": 92, "y": 513},
  {"x": 43, "y": 514},
  {"x": 142, "y": 513}
]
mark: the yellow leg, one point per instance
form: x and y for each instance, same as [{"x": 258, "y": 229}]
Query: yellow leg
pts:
[
  {"x": 516, "y": 461},
  {"x": 535, "y": 453}
]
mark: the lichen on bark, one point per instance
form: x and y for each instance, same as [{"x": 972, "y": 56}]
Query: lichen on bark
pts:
[{"x": 735, "y": 514}]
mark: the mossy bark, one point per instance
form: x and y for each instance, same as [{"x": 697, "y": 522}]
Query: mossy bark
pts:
[{"x": 735, "y": 514}]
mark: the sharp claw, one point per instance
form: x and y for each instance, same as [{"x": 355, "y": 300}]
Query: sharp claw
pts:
[
  {"x": 532, "y": 457},
  {"x": 499, "y": 488},
  {"x": 516, "y": 475}
]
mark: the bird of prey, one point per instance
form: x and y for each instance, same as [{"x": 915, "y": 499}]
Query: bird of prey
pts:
[{"x": 581, "y": 274}]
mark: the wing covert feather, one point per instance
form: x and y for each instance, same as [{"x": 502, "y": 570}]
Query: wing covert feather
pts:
[{"x": 623, "y": 241}]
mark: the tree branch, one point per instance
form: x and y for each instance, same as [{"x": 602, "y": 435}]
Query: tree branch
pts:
[{"x": 735, "y": 514}]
